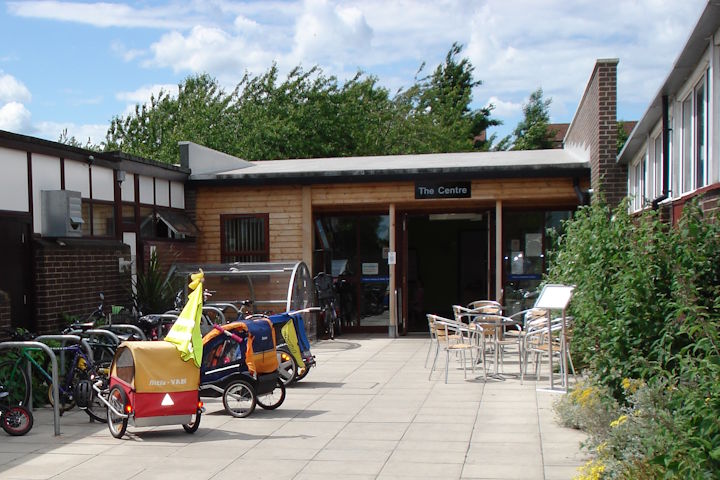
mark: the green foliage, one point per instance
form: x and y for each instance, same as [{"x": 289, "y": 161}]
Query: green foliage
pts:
[
  {"x": 74, "y": 142},
  {"x": 202, "y": 112},
  {"x": 309, "y": 115},
  {"x": 154, "y": 291},
  {"x": 622, "y": 135},
  {"x": 647, "y": 308},
  {"x": 533, "y": 132}
]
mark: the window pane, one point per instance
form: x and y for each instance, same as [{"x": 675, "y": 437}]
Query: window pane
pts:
[
  {"x": 244, "y": 239},
  {"x": 687, "y": 145},
  {"x": 658, "y": 166},
  {"x": 86, "y": 218},
  {"x": 128, "y": 213},
  {"x": 700, "y": 135},
  {"x": 103, "y": 220},
  {"x": 147, "y": 222}
]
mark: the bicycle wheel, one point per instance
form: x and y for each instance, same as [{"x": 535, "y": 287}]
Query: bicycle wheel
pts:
[
  {"x": 239, "y": 399},
  {"x": 67, "y": 402},
  {"x": 96, "y": 409},
  {"x": 287, "y": 367},
  {"x": 194, "y": 425},
  {"x": 117, "y": 424},
  {"x": 16, "y": 420},
  {"x": 16, "y": 381},
  {"x": 272, "y": 400},
  {"x": 331, "y": 318}
]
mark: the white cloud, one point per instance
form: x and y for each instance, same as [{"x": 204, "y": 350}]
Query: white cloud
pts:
[
  {"x": 14, "y": 117},
  {"x": 503, "y": 108},
  {"x": 127, "y": 54},
  {"x": 82, "y": 132},
  {"x": 208, "y": 49},
  {"x": 329, "y": 32},
  {"x": 12, "y": 90},
  {"x": 142, "y": 94},
  {"x": 101, "y": 14}
]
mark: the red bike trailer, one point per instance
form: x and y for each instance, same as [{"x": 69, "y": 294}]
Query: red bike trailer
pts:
[{"x": 151, "y": 385}]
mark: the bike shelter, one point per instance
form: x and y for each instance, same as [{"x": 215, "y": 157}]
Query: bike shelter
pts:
[{"x": 270, "y": 288}]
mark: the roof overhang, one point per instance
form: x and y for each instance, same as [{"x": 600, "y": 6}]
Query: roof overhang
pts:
[
  {"x": 529, "y": 163},
  {"x": 683, "y": 67}
]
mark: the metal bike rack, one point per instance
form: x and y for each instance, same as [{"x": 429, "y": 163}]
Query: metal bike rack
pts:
[
  {"x": 217, "y": 311},
  {"x": 124, "y": 327},
  {"x": 53, "y": 373},
  {"x": 74, "y": 338}
]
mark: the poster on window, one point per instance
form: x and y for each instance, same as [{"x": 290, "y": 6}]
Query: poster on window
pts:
[
  {"x": 533, "y": 244},
  {"x": 516, "y": 263}
]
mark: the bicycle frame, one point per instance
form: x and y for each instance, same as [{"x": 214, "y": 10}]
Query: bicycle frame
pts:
[{"x": 65, "y": 384}]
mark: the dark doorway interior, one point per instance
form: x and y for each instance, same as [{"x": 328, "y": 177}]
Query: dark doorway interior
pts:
[
  {"x": 446, "y": 264},
  {"x": 15, "y": 257}
]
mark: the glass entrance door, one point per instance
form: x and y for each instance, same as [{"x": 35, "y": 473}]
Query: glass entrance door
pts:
[{"x": 355, "y": 250}]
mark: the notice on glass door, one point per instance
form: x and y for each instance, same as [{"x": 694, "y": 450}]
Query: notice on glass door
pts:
[{"x": 370, "y": 269}]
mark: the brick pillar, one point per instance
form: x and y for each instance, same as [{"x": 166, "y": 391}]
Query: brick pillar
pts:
[{"x": 593, "y": 132}]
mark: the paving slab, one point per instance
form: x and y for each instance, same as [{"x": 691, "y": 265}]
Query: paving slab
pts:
[{"x": 367, "y": 411}]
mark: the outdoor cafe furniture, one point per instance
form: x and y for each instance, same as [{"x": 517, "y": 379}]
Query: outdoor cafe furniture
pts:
[{"x": 455, "y": 337}]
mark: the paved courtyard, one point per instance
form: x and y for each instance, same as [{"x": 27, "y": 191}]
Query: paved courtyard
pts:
[{"x": 367, "y": 411}]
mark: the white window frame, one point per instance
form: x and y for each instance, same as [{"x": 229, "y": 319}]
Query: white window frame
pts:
[
  {"x": 690, "y": 177},
  {"x": 657, "y": 165},
  {"x": 637, "y": 182}
]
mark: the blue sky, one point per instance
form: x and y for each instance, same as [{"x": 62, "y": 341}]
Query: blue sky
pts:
[{"x": 76, "y": 65}]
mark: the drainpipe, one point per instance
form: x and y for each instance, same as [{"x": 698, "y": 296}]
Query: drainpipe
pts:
[
  {"x": 665, "y": 154},
  {"x": 583, "y": 197}
]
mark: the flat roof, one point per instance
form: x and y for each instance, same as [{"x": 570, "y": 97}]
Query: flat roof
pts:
[{"x": 554, "y": 162}]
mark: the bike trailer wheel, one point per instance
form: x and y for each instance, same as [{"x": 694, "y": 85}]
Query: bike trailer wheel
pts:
[
  {"x": 117, "y": 424},
  {"x": 17, "y": 420},
  {"x": 274, "y": 398},
  {"x": 239, "y": 399}
]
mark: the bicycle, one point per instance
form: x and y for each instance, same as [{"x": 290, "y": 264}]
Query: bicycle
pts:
[
  {"x": 74, "y": 388},
  {"x": 16, "y": 420},
  {"x": 326, "y": 296}
]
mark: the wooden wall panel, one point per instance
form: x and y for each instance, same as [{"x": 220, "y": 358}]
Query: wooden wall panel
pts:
[{"x": 284, "y": 204}]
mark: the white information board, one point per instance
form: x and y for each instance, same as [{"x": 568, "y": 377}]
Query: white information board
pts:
[{"x": 554, "y": 297}]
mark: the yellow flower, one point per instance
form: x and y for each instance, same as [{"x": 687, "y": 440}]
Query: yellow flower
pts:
[
  {"x": 620, "y": 420},
  {"x": 592, "y": 470}
]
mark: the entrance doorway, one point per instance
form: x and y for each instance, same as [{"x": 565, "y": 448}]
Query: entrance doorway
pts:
[
  {"x": 16, "y": 284},
  {"x": 447, "y": 264}
]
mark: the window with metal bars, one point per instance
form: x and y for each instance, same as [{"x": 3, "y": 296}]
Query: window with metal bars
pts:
[{"x": 244, "y": 238}]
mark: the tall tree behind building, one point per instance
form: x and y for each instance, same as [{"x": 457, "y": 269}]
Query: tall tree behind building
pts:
[
  {"x": 309, "y": 114},
  {"x": 533, "y": 132}
]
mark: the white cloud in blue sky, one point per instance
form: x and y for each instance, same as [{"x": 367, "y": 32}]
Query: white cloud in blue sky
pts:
[{"x": 75, "y": 65}]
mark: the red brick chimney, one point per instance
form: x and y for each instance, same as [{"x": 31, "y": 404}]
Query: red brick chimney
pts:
[{"x": 593, "y": 132}]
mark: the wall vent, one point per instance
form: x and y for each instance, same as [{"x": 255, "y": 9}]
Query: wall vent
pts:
[{"x": 61, "y": 213}]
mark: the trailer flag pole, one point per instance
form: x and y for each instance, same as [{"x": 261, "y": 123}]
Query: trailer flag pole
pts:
[{"x": 185, "y": 333}]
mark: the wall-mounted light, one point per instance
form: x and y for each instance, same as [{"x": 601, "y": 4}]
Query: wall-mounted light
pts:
[{"x": 120, "y": 177}]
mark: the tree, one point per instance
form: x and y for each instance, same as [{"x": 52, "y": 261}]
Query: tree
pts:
[
  {"x": 434, "y": 114},
  {"x": 310, "y": 115},
  {"x": 533, "y": 132},
  {"x": 202, "y": 112},
  {"x": 622, "y": 135},
  {"x": 74, "y": 142}
]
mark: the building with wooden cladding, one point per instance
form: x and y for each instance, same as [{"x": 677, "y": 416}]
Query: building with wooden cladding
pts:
[{"x": 459, "y": 227}]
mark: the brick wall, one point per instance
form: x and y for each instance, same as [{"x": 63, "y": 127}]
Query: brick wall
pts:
[
  {"x": 593, "y": 132},
  {"x": 69, "y": 278}
]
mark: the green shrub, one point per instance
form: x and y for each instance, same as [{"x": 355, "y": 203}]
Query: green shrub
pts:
[{"x": 647, "y": 323}]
